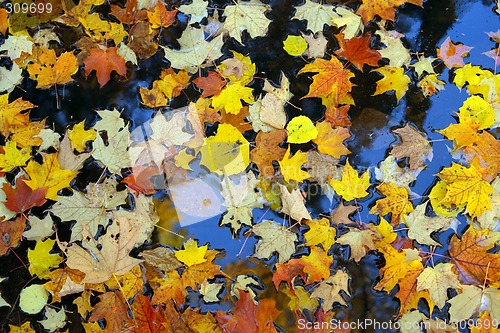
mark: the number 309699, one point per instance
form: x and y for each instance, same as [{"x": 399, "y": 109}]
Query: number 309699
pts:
[{"x": 28, "y": 8}]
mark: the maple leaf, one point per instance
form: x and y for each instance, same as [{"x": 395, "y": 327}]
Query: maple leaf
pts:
[
  {"x": 337, "y": 116},
  {"x": 414, "y": 146},
  {"x": 41, "y": 260},
  {"x": 22, "y": 197},
  {"x": 230, "y": 98},
  {"x": 357, "y": 50},
  {"x": 351, "y": 186},
  {"x": 316, "y": 264},
  {"x": 79, "y": 136},
  {"x": 421, "y": 227},
  {"x": 330, "y": 140},
  {"x": 13, "y": 157},
  {"x": 332, "y": 81},
  {"x": 452, "y": 54},
  {"x": 300, "y": 299},
  {"x": 288, "y": 272},
  {"x": 341, "y": 214},
  {"x": 466, "y": 187},
  {"x": 473, "y": 260},
  {"x": 226, "y": 152},
  {"x": 104, "y": 61},
  {"x": 437, "y": 280},
  {"x": 63, "y": 281},
  {"x": 249, "y": 317},
  {"x": 112, "y": 259},
  {"x": 395, "y": 79},
  {"x": 359, "y": 241},
  {"x": 211, "y": 84},
  {"x": 194, "y": 51},
  {"x": 147, "y": 319},
  {"x": 408, "y": 295},
  {"x": 385, "y": 9},
  {"x": 291, "y": 167},
  {"x": 430, "y": 85},
  {"x": 247, "y": 16},
  {"x": 395, "y": 202},
  {"x": 397, "y": 266},
  {"x": 329, "y": 290},
  {"x": 112, "y": 308},
  {"x": 160, "y": 17},
  {"x": 275, "y": 238},
  {"x": 268, "y": 150},
  {"x": 11, "y": 233},
  {"x": 48, "y": 175},
  {"x": 466, "y": 304},
  {"x": 293, "y": 204},
  {"x": 50, "y": 70},
  {"x": 320, "y": 232},
  {"x": 487, "y": 150},
  {"x": 240, "y": 200},
  {"x": 319, "y": 14}
]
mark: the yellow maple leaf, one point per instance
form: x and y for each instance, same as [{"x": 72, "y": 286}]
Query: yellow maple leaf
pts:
[
  {"x": 290, "y": 167},
  {"x": 226, "y": 152},
  {"x": 230, "y": 98},
  {"x": 41, "y": 260},
  {"x": 351, "y": 186},
  {"x": 301, "y": 130},
  {"x": 50, "y": 70},
  {"x": 466, "y": 187},
  {"x": 192, "y": 254},
  {"x": 27, "y": 135},
  {"x": 13, "y": 157},
  {"x": 330, "y": 140},
  {"x": 397, "y": 265},
  {"x": 79, "y": 136},
  {"x": 320, "y": 232},
  {"x": 171, "y": 83},
  {"x": 11, "y": 113},
  {"x": 48, "y": 175},
  {"x": 394, "y": 78},
  {"x": 395, "y": 202}
]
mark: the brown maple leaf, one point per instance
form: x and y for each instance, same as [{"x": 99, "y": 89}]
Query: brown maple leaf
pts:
[
  {"x": 357, "y": 50},
  {"x": 288, "y": 272},
  {"x": 414, "y": 146},
  {"x": 341, "y": 214},
  {"x": 11, "y": 233},
  {"x": 211, "y": 84},
  {"x": 113, "y": 309},
  {"x": 268, "y": 150},
  {"x": 104, "y": 61}
]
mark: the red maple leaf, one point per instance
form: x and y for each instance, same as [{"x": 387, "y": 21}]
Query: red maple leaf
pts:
[
  {"x": 211, "y": 84},
  {"x": 104, "y": 61},
  {"x": 357, "y": 50},
  {"x": 22, "y": 197}
]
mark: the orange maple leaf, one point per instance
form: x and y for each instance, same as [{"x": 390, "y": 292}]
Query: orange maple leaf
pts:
[
  {"x": 332, "y": 81},
  {"x": 211, "y": 84},
  {"x": 104, "y": 61},
  {"x": 357, "y": 50},
  {"x": 385, "y": 9},
  {"x": 473, "y": 261},
  {"x": 249, "y": 317}
]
